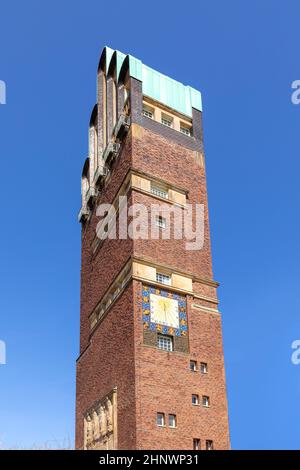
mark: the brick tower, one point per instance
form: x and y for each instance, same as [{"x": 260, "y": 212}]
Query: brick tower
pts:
[{"x": 150, "y": 374}]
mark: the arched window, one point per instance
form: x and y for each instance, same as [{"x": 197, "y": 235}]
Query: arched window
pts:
[
  {"x": 93, "y": 143},
  {"x": 112, "y": 98},
  {"x": 102, "y": 98},
  {"x": 124, "y": 88}
]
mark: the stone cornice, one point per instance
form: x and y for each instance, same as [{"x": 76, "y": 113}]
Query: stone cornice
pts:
[{"x": 193, "y": 276}]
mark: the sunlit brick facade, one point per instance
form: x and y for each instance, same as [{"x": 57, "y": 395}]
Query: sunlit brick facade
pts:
[{"x": 150, "y": 374}]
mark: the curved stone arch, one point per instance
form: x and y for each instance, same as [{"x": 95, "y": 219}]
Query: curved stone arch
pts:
[
  {"x": 124, "y": 71},
  {"x": 111, "y": 70},
  {"x": 105, "y": 59}
]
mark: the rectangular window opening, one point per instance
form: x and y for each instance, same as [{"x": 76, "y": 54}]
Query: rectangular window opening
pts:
[
  {"x": 205, "y": 401},
  {"x": 172, "y": 421},
  {"x": 196, "y": 444},
  {"x": 160, "y": 419},
  {"x": 185, "y": 130},
  {"x": 166, "y": 120},
  {"x": 159, "y": 191},
  {"x": 148, "y": 112},
  {"x": 163, "y": 278},
  {"x": 165, "y": 342},
  {"x": 160, "y": 221},
  {"x": 209, "y": 445},
  {"x": 195, "y": 399}
]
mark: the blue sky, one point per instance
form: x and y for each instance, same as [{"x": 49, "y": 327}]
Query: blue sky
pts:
[{"x": 243, "y": 57}]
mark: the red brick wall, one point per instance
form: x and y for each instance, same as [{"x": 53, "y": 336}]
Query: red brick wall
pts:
[
  {"x": 164, "y": 383},
  {"x": 149, "y": 380},
  {"x": 97, "y": 273},
  {"x": 109, "y": 362},
  {"x": 176, "y": 165}
]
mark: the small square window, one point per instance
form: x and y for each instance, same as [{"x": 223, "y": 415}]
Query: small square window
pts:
[
  {"x": 160, "y": 419},
  {"x": 196, "y": 444},
  {"x": 193, "y": 366},
  {"x": 165, "y": 342},
  {"x": 147, "y": 111},
  {"x": 172, "y": 421},
  {"x": 209, "y": 445},
  {"x": 160, "y": 192},
  {"x": 195, "y": 399},
  {"x": 163, "y": 278},
  {"x": 160, "y": 221},
  {"x": 203, "y": 367},
  {"x": 205, "y": 401},
  {"x": 166, "y": 120},
  {"x": 185, "y": 130}
]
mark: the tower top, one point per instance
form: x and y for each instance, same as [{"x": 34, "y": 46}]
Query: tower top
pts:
[{"x": 155, "y": 85}]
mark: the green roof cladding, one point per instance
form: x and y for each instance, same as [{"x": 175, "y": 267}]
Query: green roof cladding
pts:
[
  {"x": 109, "y": 54},
  {"x": 120, "y": 59},
  {"x": 159, "y": 87}
]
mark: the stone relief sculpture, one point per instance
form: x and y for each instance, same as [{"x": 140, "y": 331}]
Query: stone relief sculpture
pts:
[
  {"x": 89, "y": 430},
  {"x": 96, "y": 433},
  {"x": 103, "y": 421},
  {"x": 100, "y": 424},
  {"x": 109, "y": 414}
]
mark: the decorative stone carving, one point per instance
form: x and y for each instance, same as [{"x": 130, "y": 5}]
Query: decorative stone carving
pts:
[
  {"x": 89, "y": 430},
  {"x": 103, "y": 430},
  {"x": 100, "y": 428},
  {"x": 96, "y": 433},
  {"x": 109, "y": 414}
]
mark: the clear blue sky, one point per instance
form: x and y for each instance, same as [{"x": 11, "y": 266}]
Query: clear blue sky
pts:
[{"x": 243, "y": 57}]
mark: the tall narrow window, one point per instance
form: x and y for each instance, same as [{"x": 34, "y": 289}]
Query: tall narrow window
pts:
[
  {"x": 96, "y": 144},
  {"x": 160, "y": 419},
  {"x": 209, "y": 445},
  {"x": 126, "y": 105},
  {"x": 196, "y": 444},
  {"x": 195, "y": 399},
  {"x": 115, "y": 105},
  {"x": 203, "y": 368},
  {"x": 104, "y": 110},
  {"x": 205, "y": 401},
  {"x": 193, "y": 366},
  {"x": 172, "y": 421}
]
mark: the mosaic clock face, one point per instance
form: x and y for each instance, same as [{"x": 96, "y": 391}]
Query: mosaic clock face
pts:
[{"x": 164, "y": 310}]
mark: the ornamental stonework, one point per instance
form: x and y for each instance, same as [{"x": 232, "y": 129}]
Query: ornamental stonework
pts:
[{"x": 100, "y": 424}]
